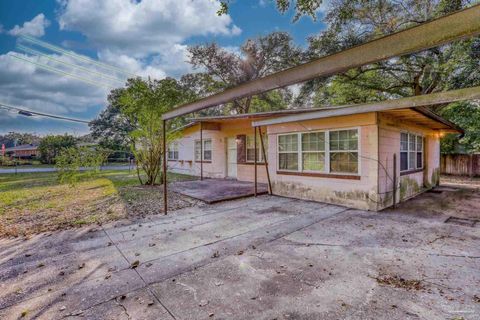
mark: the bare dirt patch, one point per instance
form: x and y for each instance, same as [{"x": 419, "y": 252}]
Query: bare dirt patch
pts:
[
  {"x": 34, "y": 203},
  {"x": 456, "y": 197},
  {"x": 399, "y": 282}
]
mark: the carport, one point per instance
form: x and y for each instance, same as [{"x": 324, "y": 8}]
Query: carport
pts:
[{"x": 456, "y": 26}]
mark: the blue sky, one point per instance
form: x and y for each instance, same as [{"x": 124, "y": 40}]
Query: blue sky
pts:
[{"x": 147, "y": 37}]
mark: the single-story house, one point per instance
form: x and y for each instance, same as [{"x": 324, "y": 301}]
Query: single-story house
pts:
[
  {"x": 365, "y": 158},
  {"x": 24, "y": 151}
]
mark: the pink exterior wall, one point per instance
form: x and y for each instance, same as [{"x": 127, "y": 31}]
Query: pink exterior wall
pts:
[
  {"x": 333, "y": 189},
  {"x": 411, "y": 184},
  {"x": 370, "y": 189},
  {"x": 218, "y": 166}
]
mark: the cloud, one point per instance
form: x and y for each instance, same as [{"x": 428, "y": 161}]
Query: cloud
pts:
[
  {"x": 28, "y": 86},
  {"x": 35, "y": 27},
  {"x": 148, "y": 36},
  {"x": 143, "y": 27}
]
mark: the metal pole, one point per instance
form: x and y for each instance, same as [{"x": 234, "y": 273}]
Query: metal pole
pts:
[
  {"x": 394, "y": 180},
  {"x": 201, "y": 150},
  {"x": 255, "y": 158},
  {"x": 165, "y": 204},
  {"x": 265, "y": 161}
]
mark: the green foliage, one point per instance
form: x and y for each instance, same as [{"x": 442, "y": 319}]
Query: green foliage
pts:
[
  {"x": 301, "y": 7},
  {"x": 112, "y": 128},
  {"x": 12, "y": 138},
  {"x": 259, "y": 57},
  {"x": 467, "y": 116},
  {"x": 51, "y": 146},
  {"x": 71, "y": 160},
  {"x": 352, "y": 22},
  {"x": 144, "y": 103}
]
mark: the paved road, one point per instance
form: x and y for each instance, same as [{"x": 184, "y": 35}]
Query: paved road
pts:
[{"x": 31, "y": 170}]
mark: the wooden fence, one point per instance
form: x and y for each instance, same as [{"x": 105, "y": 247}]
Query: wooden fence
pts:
[{"x": 460, "y": 164}]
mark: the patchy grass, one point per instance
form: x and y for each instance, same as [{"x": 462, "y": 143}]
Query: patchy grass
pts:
[{"x": 37, "y": 202}]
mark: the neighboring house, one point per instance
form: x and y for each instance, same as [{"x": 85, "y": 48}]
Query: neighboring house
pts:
[
  {"x": 24, "y": 151},
  {"x": 337, "y": 155}
]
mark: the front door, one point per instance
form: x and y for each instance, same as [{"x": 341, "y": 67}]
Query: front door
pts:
[{"x": 231, "y": 158}]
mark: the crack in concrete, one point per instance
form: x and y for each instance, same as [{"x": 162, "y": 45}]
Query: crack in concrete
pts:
[
  {"x": 124, "y": 309},
  {"x": 453, "y": 256},
  {"x": 140, "y": 276}
]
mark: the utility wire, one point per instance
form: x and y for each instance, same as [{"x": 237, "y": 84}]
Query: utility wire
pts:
[
  {"x": 29, "y": 113},
  {"x": 35, "y": 52},
  {"x": 76, "y": 56},
  {"x": 54, "y": 70}
]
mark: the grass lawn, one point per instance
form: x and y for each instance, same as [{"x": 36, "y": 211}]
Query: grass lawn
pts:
[{"x": 37, "y": 202}]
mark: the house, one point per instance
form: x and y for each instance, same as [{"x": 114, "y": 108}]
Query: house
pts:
[
  {"x": 365, "y": 157},
  {"x": 24, "y": 151}
]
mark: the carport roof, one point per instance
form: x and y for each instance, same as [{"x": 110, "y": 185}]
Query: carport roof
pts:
[{"x": 410, "y": 109}]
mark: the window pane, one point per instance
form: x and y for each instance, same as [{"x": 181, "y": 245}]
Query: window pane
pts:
[
  {"x": 404, "y": 142},
  {"x": 313, "y": 161},
  {"x": 344, "y": 162},
  {"x": 207, "y": 144},
  {"x": 419, "y": 160},
  {"x": 251, "y": 155},
  {"x": 411, "y": 160},
  {"x": 313, "y": 141},
  {"x": 207, "y": 155},
  {"x": 197, "y": 150},
  {"x": 288, "y": 161},
  {"x": 403, "y": 161},
  {"x": 419, "y": 143},
  {"x": 251, "y": 148},
  {"x": 411, "y": 142},
  {"x": 288, "y": 143},
  {"x": 344, "y": 140}
]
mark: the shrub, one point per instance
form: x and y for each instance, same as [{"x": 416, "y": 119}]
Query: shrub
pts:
[{"x": 72, "y": 161}]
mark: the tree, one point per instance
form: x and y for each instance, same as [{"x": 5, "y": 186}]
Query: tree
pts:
[
  {"x": 12, "y": 138},
  {"x": 467, "y": 116},
  {"x": 112, "y": 128},
  {"x": 352, "y": 22},
  {"x": 144, "y": 103},
  {"x": 51, "y": 146},
  {"x": 301, "y": 7},
  {"x": 258, "y": 58}
]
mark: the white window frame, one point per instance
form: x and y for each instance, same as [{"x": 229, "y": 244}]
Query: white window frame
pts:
[
  {"x": 416, "y": 136},
  {"x": 259, "y": 151},
  {"x": 202, "y": 158},
  {"x": 279, "y": 152},
  {"x": 327, "y": 152},
  {"x": 173, "y": 145}
]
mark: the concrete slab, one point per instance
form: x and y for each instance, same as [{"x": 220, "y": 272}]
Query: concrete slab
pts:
[
  {"x": 216, "y": 190},
  {"x": 256, "y": 258}
]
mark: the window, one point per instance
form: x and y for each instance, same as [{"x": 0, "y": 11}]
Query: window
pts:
[
  {"x": 310, "y": 152},
  {"x": 411, "y": 151},
  {"x": 251, "y": 148},
  {"x": 288, "y": 152},
  {"x": 419, "y": 152},
  {"x": 313, "y": 151},
  {"x": 344, "y": 151},
  {"x": 173, "y": 151},
  {"x": 207, "y": 150}
]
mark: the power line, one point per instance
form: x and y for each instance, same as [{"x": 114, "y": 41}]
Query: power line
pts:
[
  {"x": 38, "y": 53},
  {"x": 29, "y": 113},
  {"x": 57, "y": 71},
  {"x": 76, "y": 56}
]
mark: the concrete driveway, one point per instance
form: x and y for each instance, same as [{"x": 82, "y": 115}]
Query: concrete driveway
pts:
[{"x": 257, "y": 258}]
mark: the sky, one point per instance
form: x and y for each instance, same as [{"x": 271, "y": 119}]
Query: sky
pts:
[{"x": 124, "y": 37}]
